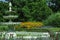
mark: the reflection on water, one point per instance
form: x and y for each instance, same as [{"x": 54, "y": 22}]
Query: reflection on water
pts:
[
  {"x": 44, "y": 38},
  {"x": 27, "y": 36}
]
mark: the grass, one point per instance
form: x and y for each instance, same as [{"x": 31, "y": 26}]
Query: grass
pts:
[
  {"x": 54, "y": 29},
  {"x": 31, "y": 29},
  {"x": 39, "y": 29}
]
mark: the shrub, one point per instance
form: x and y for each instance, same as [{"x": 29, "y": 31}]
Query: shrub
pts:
[
  {"x": 53, "y": 20},
  {"x": 4, "y": 28},
  {"x": 30, "y": 25}
]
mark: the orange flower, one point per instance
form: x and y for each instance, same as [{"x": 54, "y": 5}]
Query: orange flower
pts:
[{"x": 30, "y": 25}]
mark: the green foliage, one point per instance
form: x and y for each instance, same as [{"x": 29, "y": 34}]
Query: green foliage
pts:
[
  {"x": 28, "y": 10},
  {"x": 56, "y": 5},
  {"x": 53, "y": 20},
  {"x": 4, "y": 28},
  {"x": 3, "y": 6},
  {"x": 31, "y": 10},
  {"x": 1, "y": 17}
]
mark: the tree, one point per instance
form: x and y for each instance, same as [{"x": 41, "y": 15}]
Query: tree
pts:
[
  {"x": 28, "y": 10},
  {"x": 3, "y": 8},
  {"x": 53, "y": 20},
  {"x": 54, "y": 5},
  {"x": 32, "y": 10}
]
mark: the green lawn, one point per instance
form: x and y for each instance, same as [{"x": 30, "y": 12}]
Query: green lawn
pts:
[
  {"x": 54, "y": 29},
  {"x": 6, "y": 28},
  {"x": 39, "y": 29}
]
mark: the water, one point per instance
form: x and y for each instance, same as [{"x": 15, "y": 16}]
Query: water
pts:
[
  {"x": 30, "y": 39},
  {"x": 21, "y": 38},
  {"x": 32, "y": 36}
]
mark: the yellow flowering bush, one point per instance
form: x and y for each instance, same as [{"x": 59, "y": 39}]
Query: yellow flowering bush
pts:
[{"x": 31, "y": 24}]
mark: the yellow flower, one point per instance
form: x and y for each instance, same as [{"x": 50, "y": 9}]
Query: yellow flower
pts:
[{"x": 30, "y": 25}]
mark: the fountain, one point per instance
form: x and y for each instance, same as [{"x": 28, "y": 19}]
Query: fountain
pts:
[{"x": 10, "y": 15}]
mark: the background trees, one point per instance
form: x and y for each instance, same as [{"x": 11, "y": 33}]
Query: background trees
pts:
[
  {"x": 54, "y": 5},
  {"x": 28, "y": 10},
  {"x": 53, "y": 20},
  {"x": 31, "y": 10}
]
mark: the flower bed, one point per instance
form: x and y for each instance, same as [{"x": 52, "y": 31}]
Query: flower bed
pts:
[{"x": 29, "y": 25}]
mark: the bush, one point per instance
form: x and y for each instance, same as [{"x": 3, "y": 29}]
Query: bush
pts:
[
  {"x": 53, "y": 20},
  {"x": 30, "y": 25},
  {"x": 4, "y": 28}
]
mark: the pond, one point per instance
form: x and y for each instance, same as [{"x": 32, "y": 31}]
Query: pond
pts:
[{"x": 28, "y": 36}]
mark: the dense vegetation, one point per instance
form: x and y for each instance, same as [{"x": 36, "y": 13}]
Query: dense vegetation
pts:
[
  {"x": 53, "y": 20},
  {"x": 33, "y": 10},
  {"x": 28, "y": 10}
]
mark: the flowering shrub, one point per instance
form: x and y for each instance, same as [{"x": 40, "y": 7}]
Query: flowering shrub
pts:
[{"x": 30, "y": 24}]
